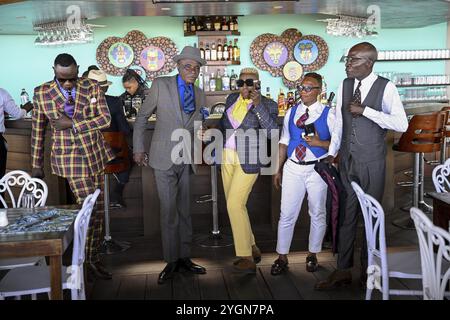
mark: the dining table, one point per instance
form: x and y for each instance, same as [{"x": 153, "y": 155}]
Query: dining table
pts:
[
  {"x": 42, "y": 231},
  {"x": 441, "y": 209}
]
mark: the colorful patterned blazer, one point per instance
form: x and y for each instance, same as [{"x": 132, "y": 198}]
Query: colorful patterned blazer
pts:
[{"x": 81, "y": 150}]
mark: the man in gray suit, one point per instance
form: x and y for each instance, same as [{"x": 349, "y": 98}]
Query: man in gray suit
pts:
[
  {"x": 177, "y": 103},
  {"x": 368, "y": 105}
]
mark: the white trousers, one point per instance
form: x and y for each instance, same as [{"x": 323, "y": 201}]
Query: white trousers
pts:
[{"x": 296, "y": 181}]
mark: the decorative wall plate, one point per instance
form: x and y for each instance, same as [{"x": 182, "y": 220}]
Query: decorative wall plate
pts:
[
  {"x": 322, "y": 53},
  {"x": 306, "y": 51},
  {"x": 137, "y": 41},
  {"x": 120, "y": 54},
  {"x": 275, "y": 54},
  {"x": 152, "y": 58},
  {"x": 293, "y": 71}
]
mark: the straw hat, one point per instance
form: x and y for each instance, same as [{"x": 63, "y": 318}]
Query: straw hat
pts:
[{"x": 100, "y": 77}]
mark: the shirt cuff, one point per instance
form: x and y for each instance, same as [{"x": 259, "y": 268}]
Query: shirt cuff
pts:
[{"x": 369, "y": 112}]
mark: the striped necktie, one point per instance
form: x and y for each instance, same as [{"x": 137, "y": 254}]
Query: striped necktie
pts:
[
  {"x": 300, "y": 150},
  {"x": 188, "y": 103},
  {"x": 357, "y": 94}
]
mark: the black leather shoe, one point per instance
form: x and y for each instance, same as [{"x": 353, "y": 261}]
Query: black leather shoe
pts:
[
  {"x": 168, "y": 272},
  {"x": 279, "y": 266},
  {"x": 311, "y": 263},
  {"x": 188, "y": 265},
  {"x": 97, "y": 271}
]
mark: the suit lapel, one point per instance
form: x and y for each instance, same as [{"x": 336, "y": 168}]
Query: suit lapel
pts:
[
  {"x": 56, "y": 96},
  {"x": 80, "y": 97},
  {"x": 175, "y": 96}
]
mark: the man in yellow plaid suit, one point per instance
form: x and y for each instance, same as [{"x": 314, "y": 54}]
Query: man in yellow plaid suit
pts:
[{"x": 76, "y": 110}]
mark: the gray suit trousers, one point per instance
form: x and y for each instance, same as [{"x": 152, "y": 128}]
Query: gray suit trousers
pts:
[
  {"x": 174, "y": 202},
  {"x": 370, "y": 176}
]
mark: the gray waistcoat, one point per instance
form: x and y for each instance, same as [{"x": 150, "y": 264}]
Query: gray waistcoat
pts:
[{"x": 362, "y": 138}]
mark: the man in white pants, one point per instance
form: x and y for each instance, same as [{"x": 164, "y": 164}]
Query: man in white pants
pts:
[{"x": 298, "y": 153}]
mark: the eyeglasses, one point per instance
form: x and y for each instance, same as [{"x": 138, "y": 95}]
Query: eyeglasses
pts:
[
  {"x": 190, "y": 68},
  {"x": 354, "y": 59},
  {"x": 248, "y": 82},
  {"x": 306, "y": 88}
]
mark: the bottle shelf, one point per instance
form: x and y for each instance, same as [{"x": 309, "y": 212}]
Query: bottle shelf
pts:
[
  {"x": 219, "y": 93},
  {"x": 212, "y": 33},
  {"x": 402, "y": 60},
  {"x": 222, "y": 63},
  {"x": 421, "y": 85},
  {"x": 425, "y": 101}
]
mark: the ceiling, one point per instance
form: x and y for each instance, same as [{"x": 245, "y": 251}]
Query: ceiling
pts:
[{"x": 17, "y": 17}]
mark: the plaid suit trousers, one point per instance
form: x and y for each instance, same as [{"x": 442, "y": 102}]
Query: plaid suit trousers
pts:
[{"x": 81, "y": 188}]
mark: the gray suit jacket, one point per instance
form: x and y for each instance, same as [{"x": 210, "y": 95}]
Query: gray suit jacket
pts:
[{"x": 164, "y": 97}]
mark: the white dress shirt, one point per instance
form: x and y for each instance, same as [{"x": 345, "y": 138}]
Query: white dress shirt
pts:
[
  {"x": 8, "y": 105},
  {"x": 393, "y": 114},
  {"x": 315, "y": 110}
]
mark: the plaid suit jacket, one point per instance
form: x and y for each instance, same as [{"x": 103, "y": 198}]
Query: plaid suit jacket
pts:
[
  {"x": 260, "y": 117},
  {"x": 80, "y": 151}
]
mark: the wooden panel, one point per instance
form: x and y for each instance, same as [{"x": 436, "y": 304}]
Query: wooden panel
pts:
[
  {"x": 106, "y": 289},
  {"x": 185, "y": 286},
  {"x": 157, "y": 291},
  {"x": 132, "y": 287},
  {"x": 212, "y": 286},
  {"x": 31, "y": 248},
  {"x": 246, "y": 286},
  {"x": 281, "y": 287},
  {"x": 18, "y": 161},
  {"x": 18, "y": 143}
]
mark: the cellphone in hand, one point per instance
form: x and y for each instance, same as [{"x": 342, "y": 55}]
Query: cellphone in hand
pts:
[
  {"x": 257, "y": 85},
  {"x": 310, "y": 130}
]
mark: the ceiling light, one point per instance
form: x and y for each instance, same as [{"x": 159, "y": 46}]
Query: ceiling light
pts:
[
  {"x": 166, "y": 9},
  {"x": 278, "y": 7},
  {"x": 348, "y": 26}
]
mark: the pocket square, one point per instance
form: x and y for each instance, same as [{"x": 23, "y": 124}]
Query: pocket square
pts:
[{"x": 93, "y": 100}]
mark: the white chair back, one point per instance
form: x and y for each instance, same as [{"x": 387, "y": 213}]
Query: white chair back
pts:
[
  {"x": 434, "y": 276},
  {"x": 79, "y": 243},
  {"x": 33, "y": 192},
  {"x": 375, "y": 235},
  {"x": 441, "y": 177}
]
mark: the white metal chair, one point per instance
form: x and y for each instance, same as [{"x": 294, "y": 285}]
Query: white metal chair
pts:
[
  {"x": 435, "y": 264},
  {"x": 33, "y": 193},
  {"x": 441, "y": 177},
  {"x": 381, "y": 264},
  {"x": 29, "y": 186},
  {"x": 36, "y": 279}
]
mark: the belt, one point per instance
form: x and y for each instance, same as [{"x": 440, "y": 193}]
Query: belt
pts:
[{"x": 305, "y": 163}]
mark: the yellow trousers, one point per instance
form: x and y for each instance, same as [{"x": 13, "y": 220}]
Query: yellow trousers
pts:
[{"x": 237, "y": 186}]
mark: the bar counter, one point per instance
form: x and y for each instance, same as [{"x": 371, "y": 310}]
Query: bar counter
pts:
[{"x": 140, "y": 193}]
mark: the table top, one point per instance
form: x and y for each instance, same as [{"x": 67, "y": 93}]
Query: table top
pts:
[
  {"x": 442, "y": 196},
  {"x": 41, "y": 223}
]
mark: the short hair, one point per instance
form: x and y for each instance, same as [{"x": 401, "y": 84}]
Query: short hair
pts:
[
  {"x": 64, "y": 60},
  {"x": 249, "y": 71},
  {"x": 370, "y": 49},
  {"x": 131, "y": 74},
  {"x": 315, "y": 76}
]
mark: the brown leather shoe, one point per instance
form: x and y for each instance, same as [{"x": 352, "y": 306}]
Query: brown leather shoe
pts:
[
  {"x": 336, "y": 279},
  {"x": 256, "y": 253},
  {"x": 244, "y": 266}
]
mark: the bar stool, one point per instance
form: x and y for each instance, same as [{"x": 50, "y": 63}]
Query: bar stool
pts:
[
  {"x": 424, "y": 135},
  {"x": 117, "y": 141}
]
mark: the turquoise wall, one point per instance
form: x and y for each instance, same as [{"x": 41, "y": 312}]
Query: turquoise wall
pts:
[{"x": 23, "y": 65}]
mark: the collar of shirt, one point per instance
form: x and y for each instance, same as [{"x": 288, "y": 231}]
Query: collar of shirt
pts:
[
  {"x": 182, "y": 84},
  {"x": 366, "y": 83},
  {"x": 66, "y": 92},
  {"x": 315, "y": 108}
]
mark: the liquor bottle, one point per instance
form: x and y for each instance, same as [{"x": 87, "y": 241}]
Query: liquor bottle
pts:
[
  {"x": 290, "y": 100},
  {"x": 185, "y": 25},
  {"x": 200, "y": 79},
  {"x": 268, "y": 96},
  {"x": 208, "y": 24},
  {"x": 200, "y": 26},
  {"x": 233, "y": 79},
  {"x": 231, "y": 24},
  {"x": 235, "y": 22},
  {"x": 236, "y": 51},
  {"x": 225, "y": 51},
  {"x": 219, "y": 84},
  {"x": 230, "y": 52},
  {"x": 225, "y": 81},
  {"x": 213, "y": 52},
  {"x": 207, "y": 53},
  {"x": 206, "y": 80},
  {"x": 24, "y": 97},
  {"x": 193, "y": 25},
  {"x": 323, "y": 95},
  {"x": 219, "y": 51},
  {"x": 217, "y": 24},
  {"x": 202, "y": 51},
  {"x": 224, "y": 24},
  {"x": 281, "y": 102},
  {"x": 212, "y": 82}
]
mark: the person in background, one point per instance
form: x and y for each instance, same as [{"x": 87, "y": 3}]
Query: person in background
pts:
[
  {"x": 368, "y": 105},
  {"x": 118, "y": 123},
  {"x": 245, "y": 110},
  {"x": 177, "y": 102},
  {"x": 76, "y": 110},
  {"x": 298, "y": 154},
  {"x": 91, "y": 67},
  {"x": 136, "y": 91},
  {"x": 7, "y": 105}
]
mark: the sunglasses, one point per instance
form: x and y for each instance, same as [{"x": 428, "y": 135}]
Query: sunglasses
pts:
[
  {"x": 62, "y": 81},
  {"x": 306, "y": 88},
  {"x": 248, "y": 82}
]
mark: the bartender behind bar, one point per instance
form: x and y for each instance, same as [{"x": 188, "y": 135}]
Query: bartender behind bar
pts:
[{"x": 8, "y": 105}]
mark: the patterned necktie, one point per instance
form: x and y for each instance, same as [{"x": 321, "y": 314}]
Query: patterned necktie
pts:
[
  {"x": 69, "y": 105},
  {"x": 357, "y": 94},
  {"x": 300, "y": 150},
  {"x": 188, "y": 103}
]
